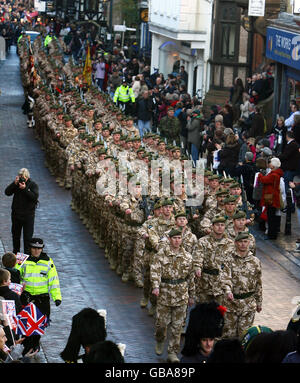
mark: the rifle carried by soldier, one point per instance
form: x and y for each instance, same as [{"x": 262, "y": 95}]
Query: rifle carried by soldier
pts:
[{"x": 147, "y": 206}]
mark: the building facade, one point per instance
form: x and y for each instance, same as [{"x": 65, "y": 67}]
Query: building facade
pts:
[
  {"x": 181, "y": 35},
  {"x": 283, "y": 48}
]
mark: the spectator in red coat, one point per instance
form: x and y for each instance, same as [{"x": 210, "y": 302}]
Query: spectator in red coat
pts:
[{"x": 271, "y": 186}]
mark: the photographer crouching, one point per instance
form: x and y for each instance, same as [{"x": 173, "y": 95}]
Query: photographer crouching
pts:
[{"x": 26, "y": 193}]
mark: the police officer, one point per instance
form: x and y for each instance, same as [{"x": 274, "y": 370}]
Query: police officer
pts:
[
  {"x": 123, "y": 96},
  {"x": 39, "y": 274}
]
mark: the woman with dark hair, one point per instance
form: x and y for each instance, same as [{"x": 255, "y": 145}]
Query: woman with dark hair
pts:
[
  {"x": 277, "y": 137},
  {"x": 206, "y": 323},
  {"x": 229, "y": 155},
  {"x": 271, "y": 347},
  {"x": 213, "y": 112},
  {"x": 88, "y": 328},
  {"x": 227, "y": 113}
]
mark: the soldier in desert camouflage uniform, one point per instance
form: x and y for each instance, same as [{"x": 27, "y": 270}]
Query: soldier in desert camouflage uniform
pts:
[
  {"x": 134, "y": 218},
  {"x": 205, "y": 223},
  {"x": 210, "y": 199},
  {"x": 211, "y": 263},
  {"x": 144, "y": 253},
  {"x": 237, "y": 225},
  {"x": 244, "y": 297},
  {"x": 172, "y": 280}
]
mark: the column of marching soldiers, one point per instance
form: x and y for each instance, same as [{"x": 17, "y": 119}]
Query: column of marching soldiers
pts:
[{"x": 82, "y": 135}]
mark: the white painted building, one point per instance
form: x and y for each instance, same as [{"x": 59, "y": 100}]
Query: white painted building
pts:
[{"x": 181, "y": 35}]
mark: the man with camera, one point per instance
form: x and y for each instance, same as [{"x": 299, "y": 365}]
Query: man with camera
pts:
[{"x": 26, "y": 193}]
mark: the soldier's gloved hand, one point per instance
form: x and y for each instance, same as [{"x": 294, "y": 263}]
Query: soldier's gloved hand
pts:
[
  {"x": 258, "y": 309},
  {"x": 57, "y": 302}
]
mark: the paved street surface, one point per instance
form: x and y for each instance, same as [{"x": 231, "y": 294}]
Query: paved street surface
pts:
[{"x": 85, "y": 277}]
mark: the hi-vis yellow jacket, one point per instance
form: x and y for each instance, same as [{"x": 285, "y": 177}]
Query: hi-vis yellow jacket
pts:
[
  {"x": 40, "y": 276},
  {"x": 124, "y": 94}
]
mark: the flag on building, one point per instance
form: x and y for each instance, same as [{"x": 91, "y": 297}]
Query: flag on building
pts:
[
  {"x": 30, "y": 321},
  {"x": 87, "y": 70}
]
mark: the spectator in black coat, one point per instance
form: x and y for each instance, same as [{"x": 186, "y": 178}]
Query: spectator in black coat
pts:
[
  {"x": 258, "y": 124},
  {"x": 229, "y": 155},
  {"x": 290, "y": 159},
  {"x": 26, "y": 193},
  {"x": 247, "y": 169},
  {"x": 144, "y": 113}
]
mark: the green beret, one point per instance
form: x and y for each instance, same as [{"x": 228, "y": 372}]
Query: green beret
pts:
[
  {"x": 180, "y": 214},
  {"x": 221, "y": 192},
  {"x": 208, "y": 173},
  {"x": 214, "y": 177},
  {"x": 97, "y": 122},
  {"x": 67, "y": 117},
  {"x": 157, "y": 205},
  {"x": 230, "y": 199},
  {"x": 117, "y": 132},
  {"x": 167, "y": 202},
  {"x": 239, "y": 214},
  {"x": 140, "y": 150},
  {"x": 234, "y": 186},
  {"x": 218, "y": 219},
  {"x": 228, "y": 180},
  {"x": 174, "y": 232},
  {"x": 101, "y": 151},
  {"x": 105, "y": 128},
  {"x": 242, "y": 235},
  {"x": 97, "y": 143},
  {"x": 175, "y": 148}
]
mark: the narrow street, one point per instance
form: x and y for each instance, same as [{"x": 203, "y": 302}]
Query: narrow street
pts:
[{"x": 85, "y": 277}]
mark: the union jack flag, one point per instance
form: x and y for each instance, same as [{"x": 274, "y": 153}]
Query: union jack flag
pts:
[{"x": 30, "y": 321}]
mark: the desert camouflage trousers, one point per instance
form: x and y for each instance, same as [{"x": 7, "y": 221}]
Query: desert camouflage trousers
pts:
[{"x": 174, "y": 318}]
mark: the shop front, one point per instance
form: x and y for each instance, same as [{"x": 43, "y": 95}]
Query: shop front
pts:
[{"x": 283, "y": 48}]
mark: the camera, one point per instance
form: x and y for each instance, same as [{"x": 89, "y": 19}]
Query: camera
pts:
[{"x": 22, "y": 180}]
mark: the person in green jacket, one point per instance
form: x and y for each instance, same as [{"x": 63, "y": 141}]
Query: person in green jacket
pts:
[
  {"x": 41, "y": 280},
  {"x": 169, "y": 127}
]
